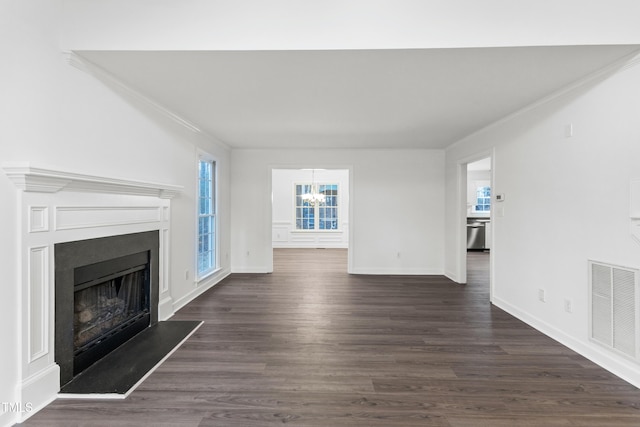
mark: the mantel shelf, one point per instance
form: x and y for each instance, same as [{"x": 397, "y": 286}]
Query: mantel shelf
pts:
[{"x": 37, "y": 179}]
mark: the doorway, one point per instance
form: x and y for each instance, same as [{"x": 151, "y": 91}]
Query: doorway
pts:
[
  {"x": 310, "y": 210},
  {"x": 478, "y": 225}
]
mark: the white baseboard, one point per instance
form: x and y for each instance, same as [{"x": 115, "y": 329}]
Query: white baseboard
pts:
[
  {"x": 622, "y": 368},
  {"x": 452, "y": 276},
  {"x": 39, "y": 390},
  {"x": 251, "y": 270},
  {"x": 165, "y": 308},
  {"x": 8, "y": 419},
  {"x": 313, "y": 245},
  {"x": 202, "y": 288},
  {"x": 392, "y": 271}
]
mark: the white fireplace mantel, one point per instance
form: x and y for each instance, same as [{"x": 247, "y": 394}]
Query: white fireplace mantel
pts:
[
  {"x": 57, "y": 206},
  {"x": 37, "y": 179}
]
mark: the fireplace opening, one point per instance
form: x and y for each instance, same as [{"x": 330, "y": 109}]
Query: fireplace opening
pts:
[
  {"x": 106, "y": 292},
  {"x": 111, "y": 305}
]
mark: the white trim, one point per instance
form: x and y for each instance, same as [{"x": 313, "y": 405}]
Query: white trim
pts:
[
  {"x": 202, "y": 287},
  {"x": 392, "y": 271},
  {"x": 39, "y": 389},
  {"x": 38, "y": 219},
  {"x": 325, "y": 231},
  {"x": 165, "y": 299},
  {"x": 451, "y": 276},
  {"x": 252, "y": 270},
  {"x": 37, "y": 179},
  {"x": 85, "y": 65},
  {"x": 75, "y": 217},
  {"x": 165, "y": 308},
  {"x": 38, "y": 303},
  {"x": 208, "y": 274}
]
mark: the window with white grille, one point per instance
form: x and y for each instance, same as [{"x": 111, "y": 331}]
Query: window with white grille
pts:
[
  {"x": 207, "y": 241},
  {"x": 316, "y": 216}
]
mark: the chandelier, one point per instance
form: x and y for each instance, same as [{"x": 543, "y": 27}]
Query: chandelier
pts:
[{"x": 313, "y": 197}]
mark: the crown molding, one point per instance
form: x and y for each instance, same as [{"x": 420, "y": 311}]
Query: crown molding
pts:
[
  {"x": 112, "y": 81},
  {"x": 628, "y": 61},
  {"x": 36, "y": 179}
]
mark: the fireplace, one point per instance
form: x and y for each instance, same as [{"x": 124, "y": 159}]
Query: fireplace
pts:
[{"x": 106, "y": 293}]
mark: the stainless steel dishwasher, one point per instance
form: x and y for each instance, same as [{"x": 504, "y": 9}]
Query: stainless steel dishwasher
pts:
[{"x": 476, "y": 234}]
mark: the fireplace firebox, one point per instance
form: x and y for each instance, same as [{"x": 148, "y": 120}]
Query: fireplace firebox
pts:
[
  {"x": 111, "y": 305},
  {"x": 106, "y": 293}
]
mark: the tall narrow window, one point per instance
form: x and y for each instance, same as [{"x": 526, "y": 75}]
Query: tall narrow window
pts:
[{"x": 206, "y": 217}]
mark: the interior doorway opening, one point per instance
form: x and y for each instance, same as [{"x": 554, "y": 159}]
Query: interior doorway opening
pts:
[
  {"x": 478, "y": 231},
  {"x": 311, "y": 211}
]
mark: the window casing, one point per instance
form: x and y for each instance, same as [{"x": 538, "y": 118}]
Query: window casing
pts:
[
  {"x": 318, "y": 217},
  {"x": 207, "y": 242}
]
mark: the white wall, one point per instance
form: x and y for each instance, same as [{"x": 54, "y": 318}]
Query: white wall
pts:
[
  {"x": 54, "y": 115},
  {"x": 336, "y": 24},
  {"x": 284, "y": 233},
  {"x": 566, "y": 202},
  {"x": 396, "y": 197}
]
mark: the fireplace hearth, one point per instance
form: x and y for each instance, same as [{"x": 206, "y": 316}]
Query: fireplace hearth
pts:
[{"x": 106, "y": 293}]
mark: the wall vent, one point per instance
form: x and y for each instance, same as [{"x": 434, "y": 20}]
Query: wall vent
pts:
[{"x": 614, "y": 308}]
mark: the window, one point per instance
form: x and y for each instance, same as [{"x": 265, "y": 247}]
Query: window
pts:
[
  {"x": 206, "y": 217},
  {"x": 321, "y": 216},
  {"x": 483, "y": 199}
]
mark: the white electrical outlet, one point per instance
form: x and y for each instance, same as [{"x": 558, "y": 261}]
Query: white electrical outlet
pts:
[
  {"x": 568, "y": 130},
  {"x": 568, "y": 306},
  {"x": 541, "y": 295}
]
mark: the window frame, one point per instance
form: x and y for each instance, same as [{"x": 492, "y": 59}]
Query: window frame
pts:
[
  {"x": 214, "y": 215},
  {"x": 316, "y": 209}
]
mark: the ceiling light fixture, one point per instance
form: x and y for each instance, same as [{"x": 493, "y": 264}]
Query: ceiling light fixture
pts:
[{"x": 313, "y": 197}]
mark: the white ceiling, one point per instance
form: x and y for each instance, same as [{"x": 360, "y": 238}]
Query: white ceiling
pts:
[{"x": 415, "y": 98}]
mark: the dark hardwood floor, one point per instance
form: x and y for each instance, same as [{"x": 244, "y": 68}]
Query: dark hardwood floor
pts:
[{"x": 310, "y": 345}]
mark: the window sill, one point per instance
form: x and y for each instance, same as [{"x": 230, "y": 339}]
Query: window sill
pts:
[{"x": 208, "y": 274}]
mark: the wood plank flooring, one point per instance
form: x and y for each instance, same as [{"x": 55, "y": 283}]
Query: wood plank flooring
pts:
[{"x": 310, "y": 345}]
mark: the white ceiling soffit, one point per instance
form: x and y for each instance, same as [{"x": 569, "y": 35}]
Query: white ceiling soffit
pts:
[{"x": 415, "y": 98}]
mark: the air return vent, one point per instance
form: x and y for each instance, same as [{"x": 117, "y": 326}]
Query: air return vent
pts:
[{"x": 614, "y": 296}]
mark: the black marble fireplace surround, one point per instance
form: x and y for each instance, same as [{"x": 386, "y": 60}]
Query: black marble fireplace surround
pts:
[{"x": 111, "y": 265}]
